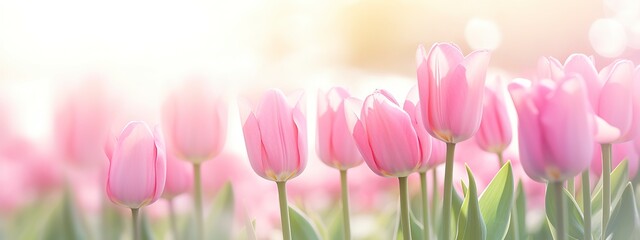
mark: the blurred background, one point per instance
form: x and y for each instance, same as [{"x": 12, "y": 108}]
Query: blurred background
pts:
[{"x": 72, "y": 71}]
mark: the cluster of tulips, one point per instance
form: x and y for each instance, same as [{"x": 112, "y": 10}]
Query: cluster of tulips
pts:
[{"x": 563, "y": 115}]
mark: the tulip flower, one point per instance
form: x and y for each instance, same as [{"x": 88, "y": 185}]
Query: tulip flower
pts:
[
  {"x": 137, "y": 169},
  {"x": 335, "y": 146},
  {"x": 554, "y": 132},
  {"x": 412, "y": 107},
  {"x": 386, "y": 138},
  {"x": 275, "y": 135},
  {"x": 451, "y": 90},
  {"x": 494, "y": 134},
  {"x": 195, "y": 122}
]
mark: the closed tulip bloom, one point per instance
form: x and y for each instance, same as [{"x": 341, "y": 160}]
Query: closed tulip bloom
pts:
[
  {"x": 412, "y": 107},
  {"x": 451, "y": 91},
  {"x": 494, "y": 134},
  {"x": 554, "y": 128},
  {"x": 195, "y": 122},
  {"x": 386, "y": 138},
  {"x": 179, "y": 177},
  {"x": 137, "y": 167},
  {"x": 275, "y": 134},
  {"x": 335, "y": 145}
]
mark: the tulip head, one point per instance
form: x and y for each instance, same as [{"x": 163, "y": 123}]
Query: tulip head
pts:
[
  {"x": 494, "y": 134},
  {"x": 275, "y": 135},
  {"x": 412, "y": 107},
  {"x": 137, "y": 167},
  {"x": 179, "y": 177}
]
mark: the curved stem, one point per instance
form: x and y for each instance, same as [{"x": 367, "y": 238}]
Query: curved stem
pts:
[
  {"x": 345, "y": 204},
  {"x": 284, "y": 210},
  {"x": 134, "y": 221},
  {"x": 586, "y": 201},
  {"x": 448, "y": 175},
  {"x": 606, "y": 187},
  {"x": 172, "y": 219},
  {"x": 434, "y": 198},
  {"x": 197, "y": 197},
  {"x": 425, "y": 205},
  {"x": 561, "y": 233},
  {"x": 404, "y": 209}
]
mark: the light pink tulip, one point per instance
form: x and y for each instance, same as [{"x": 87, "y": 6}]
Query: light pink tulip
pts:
[
  {"x": 412, "y": 107},
  {"x": 385, "y": 136},
  {"x": 619, "y": 152},
  {"x": 451, "y": 91},
  {"x": 494, "y": 134},
  {"x": 554, "y": 128},
  {"x": 137, "y": 167},
  {"x": 335, "y": 145},
  {"x": 179, "y": 177},
  {"x": 195, "y": 122},
  {"x": 275, "y": 134}
]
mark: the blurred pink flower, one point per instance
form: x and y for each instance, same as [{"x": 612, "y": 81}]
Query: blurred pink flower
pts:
[
  {"x": 137, "y": 169},
  {"x": 385, "y": 135},
  {"x": 179, "y": 177},
  {"x": 619, "y": 152},
  {"x": 275, "y": 134},
  {"x": 195, "y": 122},
  {"x": 494, "y": 134},
  {"x": 82, "y": 121},
  {"x": 335, "y": 145},
  {"x": 412, "y": 107},
  {"x": 554, "y": 128},
  {"x": 451, "y": 90}
]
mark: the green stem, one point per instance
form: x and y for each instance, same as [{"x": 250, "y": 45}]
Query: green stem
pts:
[
  {"x": 561, "y": 233},
  {"x": 500, "y": 159},
  {"x": 586, "y": 201},
  {"x": 134, "y": 221},
  {"x": 197, "y": 197},
  {"x": 172, "y": 219},
  {"x": 404, "y": 208},
  {"x": 425, "y": 205},
  {"x": 448, "y": 175},
  {"x": 606, "y": 187},
  {"x": 345, "y": 204},
  {"x": 571, "y": 186},
  {"x": 284, "y": 210},
  {"x": 434, "y": 198}
]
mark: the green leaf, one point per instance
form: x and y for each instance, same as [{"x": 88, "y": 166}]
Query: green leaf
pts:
[
  {"x": 416, "y": 228},
  {"x": 520, "y": 213},
  {"x": 456, "y": 205},
  {"x": 619, "y": 178},
  {"x": 575, "y": 218},
  {"x": 465, "y": 189},
  {"x": 496, "y": 202},
  {"x": 145, "y": 227},
  {"x": 624, "y": 219},
  {"x": 470, "y": 223},
  {"x": 220, "y": 219},
  {"x": 301, "y": 226},
  {"x": 248, "y": 232},
  {"x": 66, "y": 222}
]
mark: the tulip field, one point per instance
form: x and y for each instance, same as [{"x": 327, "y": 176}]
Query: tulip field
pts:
[{"x": 297, "y": 120}]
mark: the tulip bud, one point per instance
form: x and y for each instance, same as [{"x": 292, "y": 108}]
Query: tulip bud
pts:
[{"x": 494, "y": 134}]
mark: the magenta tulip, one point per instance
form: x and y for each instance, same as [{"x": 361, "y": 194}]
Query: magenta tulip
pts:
[
  {"x": 451, "y": 91},
  {"x": 275, "y": 134},
  {"x": 494, "y": 134},
  {"x": 137, "y": 167},
  {"x": 195, "y": 122},
  {"x": 179, "y": 177},
  {"x": 385, "y": 135},
  {"x": 554, "y": 130},
  {"x": 335, "y": 145}
]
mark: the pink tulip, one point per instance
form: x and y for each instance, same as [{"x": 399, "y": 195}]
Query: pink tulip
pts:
[
  {"x": 619, "y": 152},
  {"x": 179, "y": 177},
  {"x": 275, "y": 134},
  {"x": 195, "y": 122},
  {"x": 385, "y": 136},
  {"x": 451, "y": 91},
  {"x": 494, "y": 134},
  {"x": 335, "y": 146},
  {"x": 412, "y": 107},
  {"x": 137, "y": 167},
  {"x": 610, "y": 93},
  {"x": 554, "y": 130}
]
